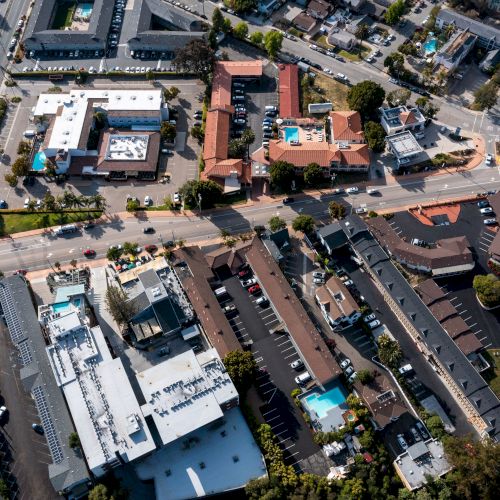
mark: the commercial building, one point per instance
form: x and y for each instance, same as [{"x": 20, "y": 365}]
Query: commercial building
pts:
[
  {"x": 229, "y": 173},
  {"x": 163, "y": 27},
  {"x": 465, "y": 384},
  {"x": 449, "y": 256},
  {"x": 86, "y": 32},
  {"x": 454, "y": 51},
  {"x": 289, "y": 91},
  {"x": 117, "y": 152},
  {"x": 67, "y": 470},
  {"x": 401, "y": 118},
  {"x": 404, "y": 147},
  {"x": 337, "y": 305},
  {"x": 110, "y": 425},
  {"x": 421, "y": 461},
  {"x": 488, "y": 37}
]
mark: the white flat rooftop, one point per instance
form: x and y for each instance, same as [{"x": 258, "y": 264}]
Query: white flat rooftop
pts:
[
  {"x": 102, "y": 403},
  {"x": 127, "y": 147},
  {"x": 186, "y": 392},
  {"x": 404, "y": 144},
  {"x": 217, "y": 459}
]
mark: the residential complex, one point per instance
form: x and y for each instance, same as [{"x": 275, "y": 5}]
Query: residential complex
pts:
[
  {"x": 454, "y": 51},
  {"x": 129, "y": 147}
]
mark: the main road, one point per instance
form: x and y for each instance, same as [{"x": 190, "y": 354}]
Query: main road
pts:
[{"x": 40, "y": 251}]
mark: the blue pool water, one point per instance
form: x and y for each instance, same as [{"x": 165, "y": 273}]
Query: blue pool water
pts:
[
  {"x": 39, "y": 161},
  {"x": 84, "y": 9},
  {"x": 323, "y": 402},
  {"x": 62, "y": 307},
  {"x": 430, "y": 45},
  {"x": 291, "y": 134}
]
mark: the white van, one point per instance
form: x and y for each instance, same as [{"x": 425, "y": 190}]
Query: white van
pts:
[
  {"x": 220, "y": 292},
  {"x": 371, "y": 190},
  {"x": 238, "y": 97},
  {"x": 303, "y": 378},
  {"x": 68, "y": 228},
  {"x": 29, "y": 133},
  {"x": 271, "y": 108}
]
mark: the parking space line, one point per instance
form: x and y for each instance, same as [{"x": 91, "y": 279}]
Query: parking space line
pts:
[
  {"x": 291, "y": 355},
  {"x": 484, "y": 338},
  {"x": 277, "y": 425},
  {"x": 467, "y": 319},
  {"x": 463, "y": 312},
  {"x": 244, "y": 335},
  {"x": 285, "y": 342},
  {"x": 474, "y": 324},
  {"x": 262, "y": 385},
  {"x": 282, "y": 432},
  {"x": 271, "y": 419},
  {"x": 270, "y": 390},
  {"x": 479, "y": 331},
  {"x": 453, "y": 298},
  {"x": 488, "y": 345},
  {"x": 271, "y": 314},
  {"x": 458, "y": 305},
  {"x": 259, "y": 359},
  {"x": 293, "y": 454},
  {"x": 270, "y": 411},
  {"x": 288, "y": 447},
  {"x": 287, "y": 349},
  {"x": 270, "y": 322}
]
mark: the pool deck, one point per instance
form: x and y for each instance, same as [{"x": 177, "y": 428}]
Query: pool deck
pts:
[
  {"x": 333, "y": 419},
  {"x": 306, "y": 135}
]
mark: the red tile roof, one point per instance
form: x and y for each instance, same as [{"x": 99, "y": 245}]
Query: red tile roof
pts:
[
  {"x": 407, "y": 117},
  {"x": 217, "y": 129},
  {"x": 289, "y": 91},
  {"x": 321, "y": 153},
  {"x": 311, "y": 345},
  {"x": 346, "y": 126},
  {"x": 225, "y": 168},
  {"x": 355, "y": 154}
]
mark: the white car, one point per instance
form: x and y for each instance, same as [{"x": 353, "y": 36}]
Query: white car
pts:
[
  {"x": 177, "y": 198},
  {"x": 38, "y": 205},
  {"x": 341, "y": 76},
  {"x": 349, "y": 283},
  {"x": 489, "y": 159},
  {"x": 345, "y": 363},
  {"x": 348, "y": 371},
  {"x": 369, "y": 59},
  {"x": 369, "y": 318},
  {"x": 360, "y": 210},
  {"x": 352, "y": 190},
  {"x": 148, "y": 201},
  {"x": 319, "y": 281},
  {"x": 118, "y": 247},
  {"x": 489, "y": 222},
  {"x": 297, "y": 364},
  {"x": 402, "y": 442},
  {"x": 374, "y": 324},
  {"x": 248, "y": 283},
  {"x": 26, "y": 202},
  {"x": 352, "y": 377},
  {"x": 319, "y": 274},
  {"x": 486, "y": 210},
  {"x": 3, "y": 411}
]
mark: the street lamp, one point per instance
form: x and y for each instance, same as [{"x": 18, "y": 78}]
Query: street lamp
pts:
[
  {"x": 333, "y": 177},
  {"x": 199, "y": 202}
]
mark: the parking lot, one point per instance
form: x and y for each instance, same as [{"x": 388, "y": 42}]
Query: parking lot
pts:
[
  {"x": 273, "y": 353},
  {"x": 485, "y": 324}
]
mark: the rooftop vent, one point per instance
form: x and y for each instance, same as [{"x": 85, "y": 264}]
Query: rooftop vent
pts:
[
  {"x": 118, "y": 97},
  {"x": 133, "y": 98}
]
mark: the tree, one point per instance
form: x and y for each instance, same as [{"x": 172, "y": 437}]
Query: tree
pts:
[
  {"x": 487, "y": 288},
  {"x": 276, "y": 223},
  {"x": 394, "y": 12},
  {"x": 241, "y": 30},
  {"x": 272, "y": 43},
  {"x": 99, "y": 492},
  {"x": 282, "y": 174},
  {"x": 242, "y": 5},
  {"x": 366, "y": 97},
  {"x": 11, "y": 179},
  {"x": 50, "y": 168},
  {"x": 130, "y": 248},
  {"x": 389, "y": 351},
  {"x": 336, "y": 210},
  {"x": 73, "y": 262},
  {"x": 168, "y": 131},
  {"x": 428, "y": 109},
  {"x": 99, "y": 120},
  {"x": 217, "y": 20},
  {"x": 119, "y": 306},
  {"x": 395, "y": 63},
  {"x": 485, "y": 97},
  {"x": 197, "y": 133},
  {"x": 171, "y": 93},
  {"x": 74, "y": 440},
  {"x": 375, "y": 136},
  {"x": 57, "y": 265},
  {"x": 257, "y": 38},
  {"x": 248, "y": 136},
  {"x": 31, "y": 206},
  {"x": 226, "y": 26},
  {"x": 365, "y": 376},
  {"x": 398, "y": 97},
  {"x": 196, "y": 57},
  {"x": 133, "y": 206},
  {"x": 98, "y": 201},
  {"x": 49, "y": 201},
  {"x": 5, "y": 492},
  {"x": 304, "y": 223},
  {"x": 313, "y": 174},
  {"x": 210, "y": 193},
  {"x": 237, "y": 148},
  {"x": 23, "y": 148},
  {"x": 367, "y": 439},
  {"x": 114, "y": 253},
  {"x": 21, "y": 166},
  {"x": 408, "y": 49},
  {"x": 435, "y": 426},
  {"x": 242, "y": 369},
  {"x": 212, "y": 39},
  {"x": 362, "y": 31}
]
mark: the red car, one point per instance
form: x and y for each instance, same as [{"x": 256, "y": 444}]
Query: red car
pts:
[
  {"x": 254, "y": 289},
  {"x": 89, "y": 252},
  {"x": 244, "y": 273},
  {"x": 151, "y": 248},
  {"x": 23, "y": 272}
]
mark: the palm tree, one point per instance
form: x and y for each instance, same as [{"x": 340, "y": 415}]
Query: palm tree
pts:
[
  {"x": 31, "y": 206},
  {"x": 40, "y": 119},
  {"x": 69, "y": 199},
  {"x": 80, "y": 201},
  {"x": 130, "y": 248},
  {"x": 99, "y": 201},
  {"x": 389, "y": 351},
  {"x": 60, "y": 201}
]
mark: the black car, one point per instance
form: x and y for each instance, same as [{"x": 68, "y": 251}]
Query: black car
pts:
[
  {"x": 148, "y": 230},
  {"x": 288, "y": 200},
  {"x": 3, "y": 204},
  {"x": 88, "y": 226}
]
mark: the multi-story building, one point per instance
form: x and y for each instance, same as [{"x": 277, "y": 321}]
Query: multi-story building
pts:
[
  {"x": 454, "y": 51},
  {"x": 401, "y": 118},
  {"x": 404, "y": 147}
]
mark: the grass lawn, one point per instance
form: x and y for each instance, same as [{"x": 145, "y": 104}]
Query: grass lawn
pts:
[
  {"x": 18, "y": 222},
  {"x": 493, "y": 357},
  {"x": 356, "y": 54},
  {"x": 233, "y": 199},
  {"x": 330, "y": 91},
  {"x": 64, "y": 15}
]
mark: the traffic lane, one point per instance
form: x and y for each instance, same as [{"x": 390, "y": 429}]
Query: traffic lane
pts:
[
  {"x": 28, "y": 449},
  {"x": 422, "y": 368}
]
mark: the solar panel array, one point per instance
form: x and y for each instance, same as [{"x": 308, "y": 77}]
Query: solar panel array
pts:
[
  {"x": 48, "y": 425},
  {"x": 25, "y": 352},
  {"x": 15, "y": 330}
]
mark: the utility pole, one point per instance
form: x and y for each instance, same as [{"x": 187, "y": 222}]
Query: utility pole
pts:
[{"x": 199, "y": 202}]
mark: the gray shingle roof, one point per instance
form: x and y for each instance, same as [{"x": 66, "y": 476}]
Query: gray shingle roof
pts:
[
  {"x": 38, "y": 29},
  {"x": 433, "y": 335},
  {"x": 68, "y": 469},
  {"x": 477, "y": 27},
  {"x": 333, "y": 235}
]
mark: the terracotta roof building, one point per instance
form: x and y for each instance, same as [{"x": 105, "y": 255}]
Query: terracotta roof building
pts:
[
  {"x": 289, "y": 91},
  {"x": 450, "y": 256},
  {"x": 195, "y": 276},
  {"x": 229, "y": 173},
  {"x": 347, "y": 127},
  {"x": 317, "y": 357}
]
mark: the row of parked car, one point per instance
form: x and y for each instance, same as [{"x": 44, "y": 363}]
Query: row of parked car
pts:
[
  {"x": 486, "y": 210},
  {"x": 415, "y": 434},
  {"x": 116, "y": 23}
]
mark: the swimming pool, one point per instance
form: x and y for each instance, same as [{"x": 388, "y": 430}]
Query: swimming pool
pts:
[
  {"x": 62, "y": 307},
  {"x": 291, "y": 134},
  {"x": 430, "y": 46},
  {"x": 39, "y": 161},
  {"x": 84, "y": 9},
  {"x": 322, "y": 402}
]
